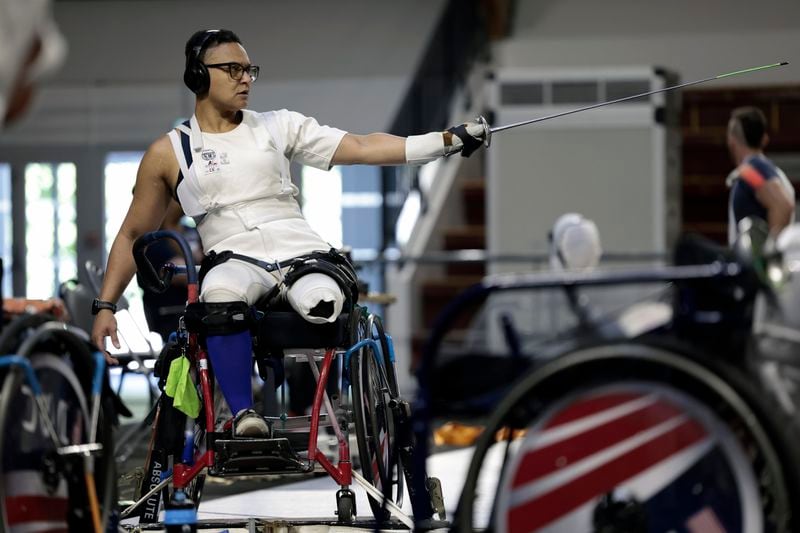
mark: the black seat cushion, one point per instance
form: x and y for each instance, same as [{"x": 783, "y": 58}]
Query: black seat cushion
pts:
[
  {"x": 278, "y": 330},
  {"x": 276, "y": 326}
]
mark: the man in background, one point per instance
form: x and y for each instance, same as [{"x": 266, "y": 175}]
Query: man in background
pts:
[{"x": 758, "y": 187}]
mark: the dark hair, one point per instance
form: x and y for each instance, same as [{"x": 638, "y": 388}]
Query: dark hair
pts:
[
  {"x": 206, "y": 39},
  {"x": 753, "y": 124},
  {"x": 195, "y": 76}
]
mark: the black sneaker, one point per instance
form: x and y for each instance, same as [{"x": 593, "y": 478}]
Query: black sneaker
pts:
[{"x": 250, "y": 424}]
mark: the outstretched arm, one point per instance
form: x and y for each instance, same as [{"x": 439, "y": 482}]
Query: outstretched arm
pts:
[
  {"x": 371, "y": 149},
  {"x": 150, "y": 200},
  {"x": 386, "y": 149}
]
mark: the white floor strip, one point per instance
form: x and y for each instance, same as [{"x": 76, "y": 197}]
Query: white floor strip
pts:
[{"x": 316, "y": 498}]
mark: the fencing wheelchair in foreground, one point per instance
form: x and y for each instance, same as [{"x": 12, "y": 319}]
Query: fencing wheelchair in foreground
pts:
[
  {"x": 56, "y": 412},
  {"x": 365, "y": 401},
  {"x": 668, "y": 430}
]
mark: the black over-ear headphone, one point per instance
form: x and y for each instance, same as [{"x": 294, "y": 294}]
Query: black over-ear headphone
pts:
[{"x": 196, "y": 75}]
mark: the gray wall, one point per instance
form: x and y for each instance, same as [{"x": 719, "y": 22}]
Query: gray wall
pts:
[
  {"x": 348, "y": 63},
  {"x": 544, "y": 170},
  {"x": 583, "y": 170},
  {"x": 696, "y": 38}
]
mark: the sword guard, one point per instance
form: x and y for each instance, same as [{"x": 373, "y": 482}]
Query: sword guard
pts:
[{"x": 487, "y": 131}]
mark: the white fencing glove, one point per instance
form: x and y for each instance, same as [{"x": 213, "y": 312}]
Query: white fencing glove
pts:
[{"x": 464, "y": 138}]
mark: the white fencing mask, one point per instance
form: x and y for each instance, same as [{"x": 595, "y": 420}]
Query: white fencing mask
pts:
[{"x": 574, "y": 243}]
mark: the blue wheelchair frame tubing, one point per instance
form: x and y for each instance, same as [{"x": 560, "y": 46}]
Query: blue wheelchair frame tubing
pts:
[
  {"x": 180, "y": 517},
  {"x": 99, "y": 371},
  {"x": 377, "y": 352},
  {"x": 24, "y": 363},
  {"x": 376, "y": 349}
]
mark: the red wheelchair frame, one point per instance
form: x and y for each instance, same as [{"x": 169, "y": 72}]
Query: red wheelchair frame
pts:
[{"x": 387, "y": 443}]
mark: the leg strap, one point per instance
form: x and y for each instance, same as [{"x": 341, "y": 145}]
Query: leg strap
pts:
[
  {"x": 331, "y": 263},
  {"x": 212, "y": 318}
]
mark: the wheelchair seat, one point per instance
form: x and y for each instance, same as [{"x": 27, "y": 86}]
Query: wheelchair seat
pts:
[
  {"x": 276, "y": 327},
  {"x": 283, "y": 329}
]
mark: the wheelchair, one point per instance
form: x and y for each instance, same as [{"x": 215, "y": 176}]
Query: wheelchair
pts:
[
  {"x": 365, "y": 401},
  {"x": 666, "y": 430},
  {"x": 56, "y": 413}
]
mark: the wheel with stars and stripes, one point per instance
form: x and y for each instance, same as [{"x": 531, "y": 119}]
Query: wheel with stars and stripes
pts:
[{"x": 634, "y": 438}]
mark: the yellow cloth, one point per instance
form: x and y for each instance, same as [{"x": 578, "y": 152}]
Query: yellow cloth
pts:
[{"x": 181, "y": 388}]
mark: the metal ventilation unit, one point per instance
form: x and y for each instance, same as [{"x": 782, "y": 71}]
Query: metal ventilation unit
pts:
[{"x": 618, "y": 164}]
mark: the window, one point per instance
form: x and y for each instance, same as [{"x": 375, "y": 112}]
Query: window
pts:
[
  {"x": 50, "y": 229},
  {"x": 120, "y": 177},
  {"x": 322, "y": 203},
  {"x": 6, "y": 226}
]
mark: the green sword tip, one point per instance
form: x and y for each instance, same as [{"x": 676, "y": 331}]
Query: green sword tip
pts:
[{"x": 753, "y": 69}]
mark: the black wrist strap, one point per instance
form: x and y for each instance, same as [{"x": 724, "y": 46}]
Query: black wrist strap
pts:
[
  {"x": 470, "y": 143},
  {"x": 98, "y": 305}
]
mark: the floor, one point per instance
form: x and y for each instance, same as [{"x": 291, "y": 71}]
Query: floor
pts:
[{"x": 309, "y": 504}]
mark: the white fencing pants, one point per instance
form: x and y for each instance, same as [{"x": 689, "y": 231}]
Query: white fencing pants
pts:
[{"x": 316, "y": 297}]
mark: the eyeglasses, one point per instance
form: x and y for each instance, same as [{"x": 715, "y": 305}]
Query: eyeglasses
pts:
[{"x": 237, "y": 70}]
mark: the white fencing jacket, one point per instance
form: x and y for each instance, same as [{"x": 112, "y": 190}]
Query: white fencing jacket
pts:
[{"x": 237, "y": 186}]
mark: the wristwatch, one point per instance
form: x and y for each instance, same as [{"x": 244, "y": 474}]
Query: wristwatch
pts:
[{"x": 98, "y": 305}]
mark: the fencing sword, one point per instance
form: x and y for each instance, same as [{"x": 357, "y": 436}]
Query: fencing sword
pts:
[{"x": 488, "y": 130}]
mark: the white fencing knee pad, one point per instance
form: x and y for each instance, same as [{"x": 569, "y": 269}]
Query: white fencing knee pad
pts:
[{"x": 311, "y": 290}]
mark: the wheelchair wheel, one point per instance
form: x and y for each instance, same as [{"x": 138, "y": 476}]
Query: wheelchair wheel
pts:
[
  {"x": 40, "y": 485},
  {"x": 374, "y": 426},
  {"x": 636, "y": 438},
  {"x": 19, "y": 328}
]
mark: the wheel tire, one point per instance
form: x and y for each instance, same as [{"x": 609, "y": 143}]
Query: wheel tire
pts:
[
  {"x": 345, "y": 506},
  {"x": 374, "y": 426},
  {"x": 18, "y": 329},
  {"x": 388, "y": 364},
  {"x": 753, "y": 439},
  {"x": 394, "y": 391}
]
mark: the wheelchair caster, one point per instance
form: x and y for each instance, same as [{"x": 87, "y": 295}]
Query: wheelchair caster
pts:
[{"x": 345, "y": 505}]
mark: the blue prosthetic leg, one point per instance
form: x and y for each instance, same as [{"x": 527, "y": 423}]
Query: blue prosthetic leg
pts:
[{"x": 232, "y": 359}]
